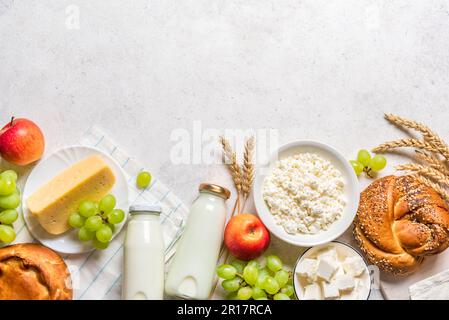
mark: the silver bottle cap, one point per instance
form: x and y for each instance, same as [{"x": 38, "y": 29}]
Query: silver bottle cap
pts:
[{"x": 153, "y": 209}]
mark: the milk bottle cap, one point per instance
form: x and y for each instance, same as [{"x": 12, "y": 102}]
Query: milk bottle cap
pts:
[
  {"x": 223, "y": 192},
  {"x": 153, "y": 209}
]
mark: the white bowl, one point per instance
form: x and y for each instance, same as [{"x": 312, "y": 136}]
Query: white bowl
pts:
[
  {"x": 343, "y": 250},
  {"x": 351, "y": 194},
  {"x": 68, "y": 242}
]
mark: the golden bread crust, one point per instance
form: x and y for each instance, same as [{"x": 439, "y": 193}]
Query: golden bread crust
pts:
[{"x": 33, "y": 272}]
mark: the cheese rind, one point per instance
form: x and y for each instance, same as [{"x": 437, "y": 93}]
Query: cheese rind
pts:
[{"x": 90, "y": 179}]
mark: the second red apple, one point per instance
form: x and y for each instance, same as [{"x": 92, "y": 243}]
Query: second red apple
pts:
[{"x": 246, "y": 237}]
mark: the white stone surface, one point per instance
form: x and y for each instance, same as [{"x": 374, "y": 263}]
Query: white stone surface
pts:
[{"x": 314, "y": 69}]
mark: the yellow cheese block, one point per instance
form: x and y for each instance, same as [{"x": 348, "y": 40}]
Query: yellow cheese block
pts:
[{"x": 90, "y": 179}]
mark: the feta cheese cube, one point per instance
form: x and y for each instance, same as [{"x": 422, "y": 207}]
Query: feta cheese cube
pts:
[
  {"x": 307, "y": 269},
  {"x": 312, "y": 292},
  {"x": 340, "y": 272},
  {"x": 345, "y": 282},
  {"x": 330, "y": 290},
  {"x": 354, "y": 266},
  {"x": 329, "y": 254},
  {"x": 326, "y": 269}
]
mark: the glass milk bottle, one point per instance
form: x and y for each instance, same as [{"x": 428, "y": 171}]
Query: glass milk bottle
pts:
[
  {"x": 144, "y": 255},
  {"x": 192, "y": 271}
]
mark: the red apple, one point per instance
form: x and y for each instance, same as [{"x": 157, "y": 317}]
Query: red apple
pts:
[
  {"x": 246, "y": 237},
  {"x": 21, "y": 142}
]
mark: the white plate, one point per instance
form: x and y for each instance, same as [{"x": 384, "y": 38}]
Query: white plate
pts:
[
  {"x": 351, "y": 194},
  {"x": 344, "y": 251},
  {"x": 47, "y": 169}
]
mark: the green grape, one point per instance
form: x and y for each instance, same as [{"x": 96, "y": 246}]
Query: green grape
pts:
[
  {"x": 364, "y": 157},
  {"x": 258, "y": 293},
  {"x": 85, "y": 235},
  {"x": 232, "y": 296},
  {"x": 9, "y": 174},
  {"x": 10, "y": 202},
  {"x": 254, "y": 263},
  {"x": 377, "y": 163},
  {"x": 100, "y": 245},
  {"x": 7, "y": 234},
  {"x": 245, "y": 293},
  {"x": 282, "y": 277},
  {"x": 93, "y": 223},
  {"x": 8, "y": 216},
  {"x": 7, "y": 186},
  {"x": 111, "y": 226},
  {"x": 271, "y": 286},
  {"x": 231, "y": 285},
  {"x": 87, "y": 209},
  {"x": 143, "y": 180},
  {"x": 263, "y": 273},
  {"x": 76, "y": 220},
  {"x": 357, "y": 166},
  {"x": 116, "y": 216},
  {"x": 238, "y": 265},
  {"x": 107, "y": 204},
  {"x": 281, "y": 296},
  {"x": 250, "y": 274},
  {"x": 288, "y": 290},
  {"x": 274, "y": 263},
  {"x": 226, "y": 272},
  {"x": 104, "y": 234},
  {"x": 262, "y": 299}
]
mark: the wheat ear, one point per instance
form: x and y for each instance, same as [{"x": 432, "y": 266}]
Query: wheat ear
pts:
[
  {"x": 404, "y": 143},
  {"x": 437, "y": 187},
  {"x": 433, "y": 162},
  {"x": 431, "y": 137},
  {"x": 230, "y": 159},
  {"x": 425, "y": 171},
  {"x": 248, "y": 167}
]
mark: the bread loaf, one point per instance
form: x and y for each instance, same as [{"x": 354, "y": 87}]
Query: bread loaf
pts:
[
  {"x": 399, "y": 222},
  {"x": 33, "y": 272}
]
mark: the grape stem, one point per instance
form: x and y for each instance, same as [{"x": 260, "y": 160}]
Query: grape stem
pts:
[
  {"x": 12, "y": 121},
  {"x": 370, "y": 173}
]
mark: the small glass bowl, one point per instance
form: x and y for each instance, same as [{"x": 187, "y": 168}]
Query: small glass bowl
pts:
[{"x": 309, "y": 251}]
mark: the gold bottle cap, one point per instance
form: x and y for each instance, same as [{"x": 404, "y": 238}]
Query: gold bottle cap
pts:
[{"x": 215, "y": 189}]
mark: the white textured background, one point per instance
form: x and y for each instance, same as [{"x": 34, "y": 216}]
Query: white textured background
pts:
[{"x": 318, "y": 69}]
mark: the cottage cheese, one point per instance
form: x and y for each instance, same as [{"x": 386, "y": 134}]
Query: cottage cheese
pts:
[{"x": 305, "y": 193}]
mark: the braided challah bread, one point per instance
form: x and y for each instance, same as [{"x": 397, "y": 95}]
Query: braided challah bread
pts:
[{"x": 399, "y": 222}]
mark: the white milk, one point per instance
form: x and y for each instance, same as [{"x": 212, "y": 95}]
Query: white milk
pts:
[
  {"x": 144, "y": 255},
  {"x": 192, "y": 272}
]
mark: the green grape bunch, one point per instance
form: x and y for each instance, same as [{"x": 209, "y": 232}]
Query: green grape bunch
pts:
[
  {"x": 96, "y": 221},
  {"x": 9, "y": 203},
  {"x": 253, "y": 281},
  {"x": 368, "y": 164}
]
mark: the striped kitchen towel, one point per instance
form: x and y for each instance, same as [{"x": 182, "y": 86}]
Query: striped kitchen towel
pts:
[{"x": 98, "y": 275}]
